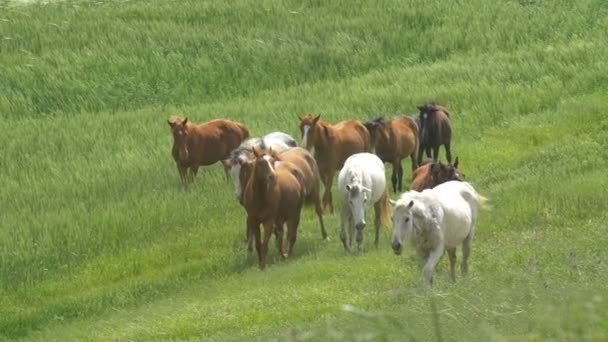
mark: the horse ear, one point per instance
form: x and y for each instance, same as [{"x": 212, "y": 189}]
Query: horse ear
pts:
[
  {"x": 435, "y": 167},
  {"x": 255, "y": 152},
  {"x": 170, "y": 123},
  {"x": 456, "y": 163},
  {"x": 185, "y": 121},
  {"x": 393, "y": 203},
  {"x": 314, "y": 121},
  {"x": 411, "y": 204},
  {"x": 300, "y": 118}
]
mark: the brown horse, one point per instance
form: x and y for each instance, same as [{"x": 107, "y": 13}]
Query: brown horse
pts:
[
  {"x": 432, "y": 173},
  {"x": 332, "y": 145},
  {"x": 435, "y": 130},
  {"x": 306, "y": 164},
  {"x": 392, "y": 141},
  {"x": 273, "y": 196},
  {"x": 205, "y": 144}
]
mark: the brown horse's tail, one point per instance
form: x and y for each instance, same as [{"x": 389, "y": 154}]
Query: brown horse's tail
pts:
[
  {"x": 415, "y": 129},
  {"x": 244, "y": 130},
  {"x": 385, "y": 210}
]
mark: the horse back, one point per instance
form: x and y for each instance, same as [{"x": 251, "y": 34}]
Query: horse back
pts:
[
  {"x": 290, "y": 189},
  {"x": 305, "y": 162},
  {"x": 441, "y": 129},
  {"x": 349, "y": 137},
  {"x": 421, "y": 178},
  {"x": 404, "y": 134},
  {"x": 214, "y": 140}
]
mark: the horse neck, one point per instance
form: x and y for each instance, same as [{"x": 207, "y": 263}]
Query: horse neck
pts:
[
  {"x": 322, "y": 143},
  {"x": 258, "y": 190}
]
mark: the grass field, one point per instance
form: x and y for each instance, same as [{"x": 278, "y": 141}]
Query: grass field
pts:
[{"x": 99, "y": 242}]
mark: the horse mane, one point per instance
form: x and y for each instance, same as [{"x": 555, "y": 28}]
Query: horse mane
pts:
[
  {"x": 353, "y": 177},
  {"x": 433, "y": 106}
]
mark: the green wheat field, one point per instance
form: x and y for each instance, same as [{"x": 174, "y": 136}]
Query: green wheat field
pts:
[{"x": 99, "y": 242}]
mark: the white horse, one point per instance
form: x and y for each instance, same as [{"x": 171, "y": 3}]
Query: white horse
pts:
[
  {"x": 438, "y": 220},
  {"x": 361, "y": 183},
  {"x": 277, "y": 141}
]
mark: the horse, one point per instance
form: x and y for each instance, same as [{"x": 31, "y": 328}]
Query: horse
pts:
[
  {"x": 205, "y": 144},
  {"x": 306, "y": 164},
  {"x": 278, "y": 141},
  {"x": 273, "y": 196},
  {"x": 437, "y": 220},
  {"x": 361, "y": 183},
  {"x": 432, "y": 173},
  {"x": 331, "y": 145},
  {"x": 392, "y": 141},
  {"x": 435, "y": 130}
]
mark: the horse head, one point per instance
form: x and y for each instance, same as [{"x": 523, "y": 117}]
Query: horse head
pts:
[
  {"x": 264, "y": 167},
  {"x": 358, "y": 199},
  {"x": 377, "y": 128},
  {"x": 402, "y": 222},
  {"x": 179, "y": 129},
  {"x": 309, "y": 129},
  {"x": 442, "y": 173}
]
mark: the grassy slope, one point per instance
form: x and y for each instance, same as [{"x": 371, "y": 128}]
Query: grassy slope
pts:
[{"x": 97, "y": 240}]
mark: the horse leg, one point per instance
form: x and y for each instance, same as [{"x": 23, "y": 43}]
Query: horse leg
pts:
[
  {"x": 268, "y": 230},
  {"x": 292, "y": 232},
  {"x": 248, "y": 238},
  {"x": 183, "y": 173},
  {"x": 278, "y": 233},
  {"x": 327, "y": 200},
  {"x": 430, "y": 264},
  {"x": 377, "y": 221},
  {"x": 344, "y": 222},
  {"x": 448, "y": 152},
  {"x": 420, "y": 152},
  {"x": 254, "y": 227},
  {"x": 436, "y": 153},
  {"x": 452, "y": 256},
  {"x": 319, "y": 211},
  {"x": 428, "y": 151},
  {"x": 400, "y": 176},
  {"x": 466, "y": 252},
  {"x": 394, "y": 176}
]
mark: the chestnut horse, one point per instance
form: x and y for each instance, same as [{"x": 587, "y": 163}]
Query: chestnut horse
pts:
[
  {"x": 205, "y": 144},
  {"x": 273, "y": 195},
  {"x": 435, "y": 130},
  {"x": 432, "y": 173},
  {"x": 311, "y": 180},
  {"x": 392, "y": 141},
  {"x": 332, "y": 145}
]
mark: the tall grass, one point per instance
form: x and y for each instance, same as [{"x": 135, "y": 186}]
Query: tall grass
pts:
[{"x": 98, "y": 241}]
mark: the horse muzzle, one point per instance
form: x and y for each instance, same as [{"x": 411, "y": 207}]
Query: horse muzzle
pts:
[
  {"x": 360, "y": 226},
  {"x": 397, "y": 247}
]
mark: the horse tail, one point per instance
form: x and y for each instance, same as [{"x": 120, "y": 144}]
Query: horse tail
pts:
[
  {"x": 411, "y": 122},
  {"x": 472, "y": 196},
  {"x": 244, "y": 130},
  {"x": 385, "y": 210}
]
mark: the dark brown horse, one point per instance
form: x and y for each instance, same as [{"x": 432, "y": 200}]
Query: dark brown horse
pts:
[
  {"x": 392, "y": 141},
  {"x": 435, "y": 130},
  {"x": 432, "y": 173},
  {"x": 331, "y": 145},
  {"x": 273, "y": 196},
  {"x": 205, "y": 144}
]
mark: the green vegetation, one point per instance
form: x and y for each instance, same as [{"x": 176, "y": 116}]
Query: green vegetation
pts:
[{"x": 99, "y": 242}]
